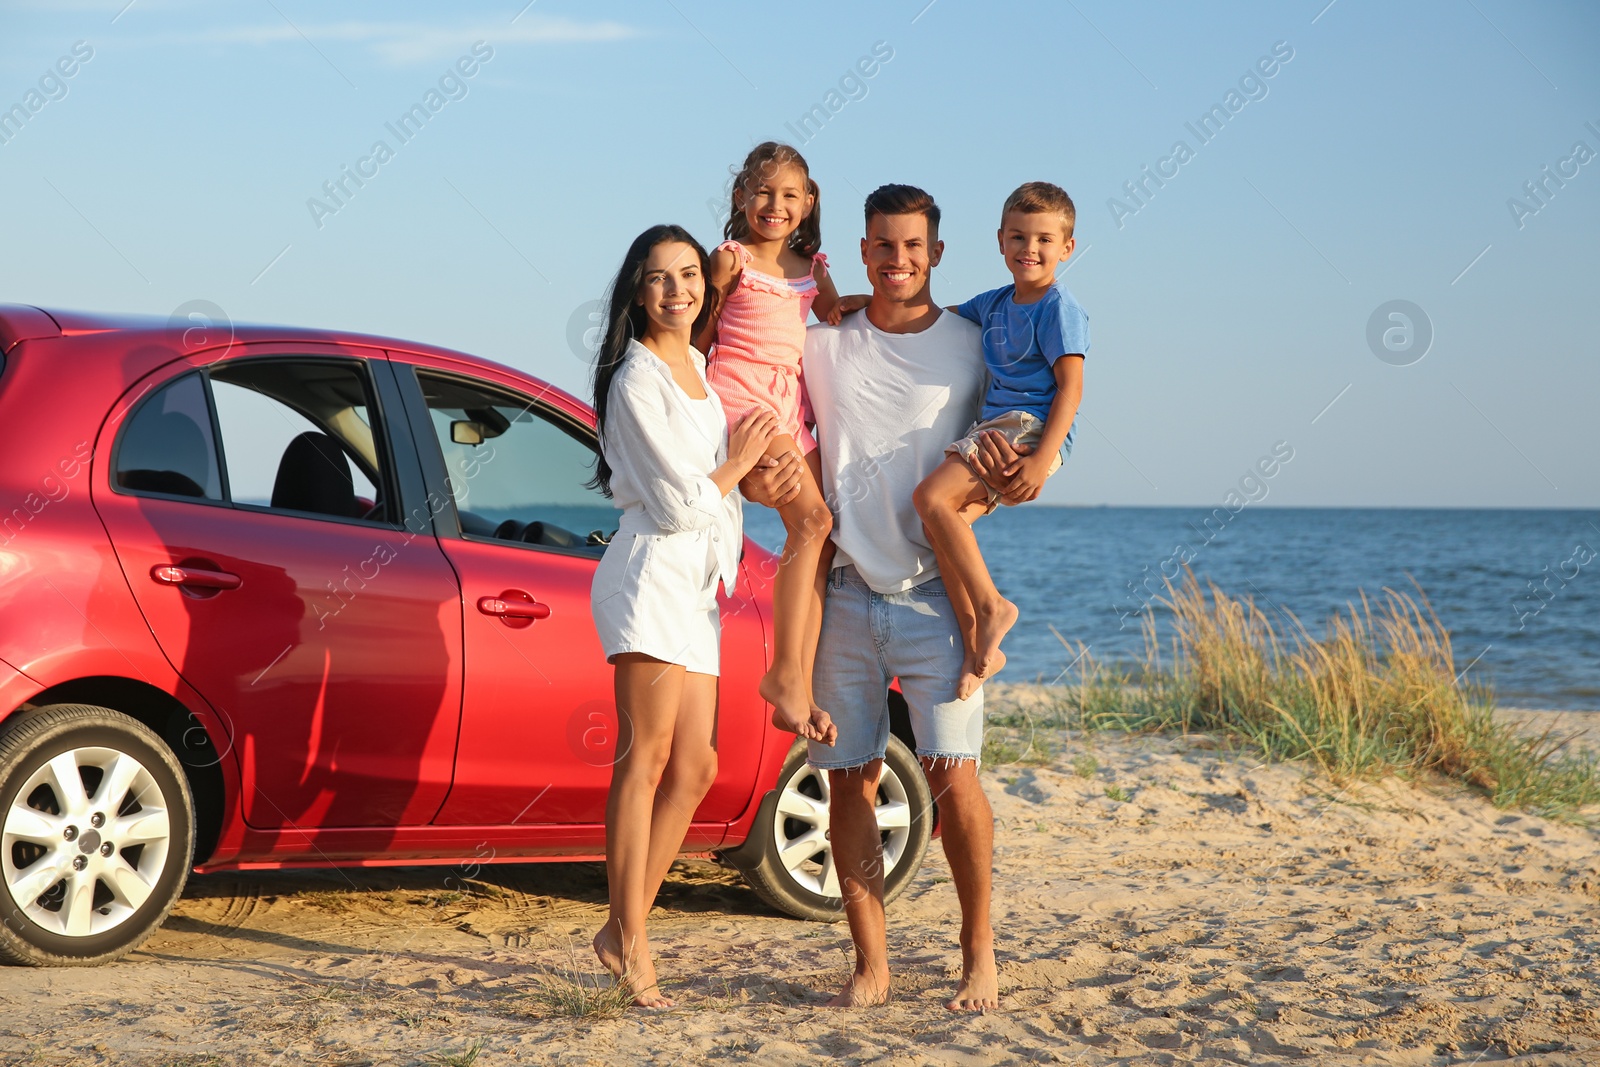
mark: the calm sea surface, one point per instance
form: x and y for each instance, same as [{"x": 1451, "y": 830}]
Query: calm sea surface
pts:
[{"x": 1519, "y": 591}]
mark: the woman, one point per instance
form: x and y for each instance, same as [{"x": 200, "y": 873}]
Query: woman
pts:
[{"x": 669, "y": 461}]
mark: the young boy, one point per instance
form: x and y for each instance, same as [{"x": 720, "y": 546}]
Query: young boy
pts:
[{"x": 1035, "y": 337}]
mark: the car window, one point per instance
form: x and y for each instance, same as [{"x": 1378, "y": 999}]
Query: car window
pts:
[
  {"x": 166, "y": 447},
  {"x": 297, "y": 436},
  {"x": 517, "y": 469}
]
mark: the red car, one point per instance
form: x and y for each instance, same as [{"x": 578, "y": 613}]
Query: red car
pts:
[{"x": 279, "y": 597}]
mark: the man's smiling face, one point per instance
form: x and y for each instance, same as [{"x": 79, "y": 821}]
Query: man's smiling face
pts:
[{"x": 899, "y": 252}]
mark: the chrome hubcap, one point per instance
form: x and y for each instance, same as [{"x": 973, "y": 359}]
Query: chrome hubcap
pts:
[
  {"x": 84, "y": 841},
  {"x": 801, "y": 828}
]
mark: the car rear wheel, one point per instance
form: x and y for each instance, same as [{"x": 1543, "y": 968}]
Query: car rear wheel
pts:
[
  {"x": 795, "y": 872},
  {"x": 96, "y": 832}
]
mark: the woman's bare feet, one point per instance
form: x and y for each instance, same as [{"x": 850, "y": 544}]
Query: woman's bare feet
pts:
[
  {"x": 608, "y": 947},
  {"x": 792, "y": 709},
  {"x": 994, "y": 622},
  {"x": 634, "y": 968},
  {"x": 861, "y": 991}
]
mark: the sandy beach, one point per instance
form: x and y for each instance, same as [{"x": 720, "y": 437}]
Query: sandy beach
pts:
[{"x": 1158, "y": 900}]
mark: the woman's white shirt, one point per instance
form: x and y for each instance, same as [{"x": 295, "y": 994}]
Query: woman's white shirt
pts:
[{"x": 662, "y": 446}]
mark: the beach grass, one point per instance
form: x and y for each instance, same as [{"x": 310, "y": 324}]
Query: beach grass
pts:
[{"x": 1379, "y": 693}]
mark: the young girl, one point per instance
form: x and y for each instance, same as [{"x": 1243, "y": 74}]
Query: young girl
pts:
[
  {"x": 668, "y": 460},
  {"x": 770, "y": 274}
]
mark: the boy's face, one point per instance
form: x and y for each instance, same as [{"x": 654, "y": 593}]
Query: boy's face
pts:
[{"x": 1034, "y": 244}]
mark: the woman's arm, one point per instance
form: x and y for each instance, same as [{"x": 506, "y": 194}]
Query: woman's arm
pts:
[
  {"x": 640, "y": 441},
  {"x": 746, "y": 445}
]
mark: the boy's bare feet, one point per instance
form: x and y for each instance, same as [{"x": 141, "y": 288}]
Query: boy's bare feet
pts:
[
  {"x": 635, "y": 969},
  {"x": 980, "y": 983},
  {"x": 861, "y": 991},
  {"x": 994, "y": 622},
  {"x": 972, "y": 680},
  {"x": 792, "y": 709}
]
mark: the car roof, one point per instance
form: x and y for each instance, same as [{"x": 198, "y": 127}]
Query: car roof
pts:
[{"x": 20, "y": 322}]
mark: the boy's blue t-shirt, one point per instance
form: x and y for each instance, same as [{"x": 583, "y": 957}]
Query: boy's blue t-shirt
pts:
[{"x": 1021, "y": 343}]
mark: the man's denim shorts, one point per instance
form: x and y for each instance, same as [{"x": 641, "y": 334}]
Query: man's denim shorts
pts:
[{"x": 869, "y": 639}]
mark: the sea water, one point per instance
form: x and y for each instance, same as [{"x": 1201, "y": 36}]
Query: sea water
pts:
[{"x": 1519, "y": 591}]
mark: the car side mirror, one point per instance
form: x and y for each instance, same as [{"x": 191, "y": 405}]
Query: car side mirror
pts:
[{"x": 465, "y": 432}]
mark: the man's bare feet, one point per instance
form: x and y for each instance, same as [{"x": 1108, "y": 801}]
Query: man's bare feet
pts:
[
  {"x": 861, "y": 991},
  {"x": 635, "y": 968},
  {"x": 792, "y": 709},
  {"x": 980, "y": 983},
  {"x": 994, "y": 622}
]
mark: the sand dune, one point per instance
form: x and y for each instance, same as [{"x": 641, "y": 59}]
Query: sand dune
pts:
[{"x": 1159, "y": 900}]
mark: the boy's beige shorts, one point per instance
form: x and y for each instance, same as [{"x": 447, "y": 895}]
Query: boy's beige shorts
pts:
[{"x": 1017, "y": 427}]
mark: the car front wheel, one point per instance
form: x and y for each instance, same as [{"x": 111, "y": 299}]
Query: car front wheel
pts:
[
  {"x": 794, "y": 869},
  {"x": 96, "y": 831}
]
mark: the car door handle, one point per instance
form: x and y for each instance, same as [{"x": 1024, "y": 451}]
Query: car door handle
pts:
[
  {"x": 513, "y": 606},
  {"x": 195, "y": 577}
]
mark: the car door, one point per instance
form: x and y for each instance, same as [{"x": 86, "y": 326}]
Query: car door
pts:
[
  {"x": 538, "y": 729},
  {"x": 255, "y": 505}
]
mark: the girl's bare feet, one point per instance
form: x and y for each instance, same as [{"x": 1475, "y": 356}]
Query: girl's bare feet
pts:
[
  {"x": 822, "y": 723},
  {"x": 634, "y": 969},
  {"x": 994, "y": 622},
  {"x": 792, "y": 709}
]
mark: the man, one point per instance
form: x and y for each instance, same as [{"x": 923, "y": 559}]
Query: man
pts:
[{"x": 890, "y": 387}]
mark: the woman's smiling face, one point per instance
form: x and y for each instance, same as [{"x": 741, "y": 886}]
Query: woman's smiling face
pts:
[{"x": 673, "y": 288}]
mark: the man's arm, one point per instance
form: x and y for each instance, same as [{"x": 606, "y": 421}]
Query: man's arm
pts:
[{"x": 1027, "y": 474}]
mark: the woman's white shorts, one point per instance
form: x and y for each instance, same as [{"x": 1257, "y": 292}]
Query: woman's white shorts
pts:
[{"x": 656, "y": 594}]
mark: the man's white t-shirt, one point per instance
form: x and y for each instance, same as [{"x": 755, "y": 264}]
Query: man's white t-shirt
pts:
[{"x": 886, "y": 405}]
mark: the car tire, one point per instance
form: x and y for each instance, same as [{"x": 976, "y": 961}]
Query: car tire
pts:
[
  {"x": 798, "y": 879},
  {"x": 74, "y": 779}
]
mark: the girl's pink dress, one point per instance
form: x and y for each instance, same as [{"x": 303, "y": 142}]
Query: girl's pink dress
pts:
[{"x": 760, "y": 337}]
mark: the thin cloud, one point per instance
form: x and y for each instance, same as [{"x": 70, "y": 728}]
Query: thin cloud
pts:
[{"x": 402, "y": 43}]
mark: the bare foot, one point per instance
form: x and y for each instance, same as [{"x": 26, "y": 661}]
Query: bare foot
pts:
[
  {"x": 608, "y": 947},
  {"x": 993, "y": 625},
  {"x": 792, "y": 709},
  {"x": 997, "y": 661},
  {"x": 822, "y": 723},
  {"x": 635, "y": 969},
  {"x": 980, "y": 984},
  {"x": 646, "y": 994},
  {"x": 970, "y": 679},
  {"x": 861, "y": 991}
]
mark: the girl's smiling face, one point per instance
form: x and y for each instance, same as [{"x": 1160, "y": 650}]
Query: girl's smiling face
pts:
[
  {"x": 778, "y": 203},
  {"x": 673, "y": 287}
]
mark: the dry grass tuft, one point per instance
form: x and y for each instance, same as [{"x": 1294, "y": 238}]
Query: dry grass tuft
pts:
[
  {"x": 1379, "y": 694},
  {"x": 577, "y": 992}
]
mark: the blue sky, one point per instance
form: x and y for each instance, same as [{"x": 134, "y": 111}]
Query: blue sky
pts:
[{"x": 1229, "y": 306}]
